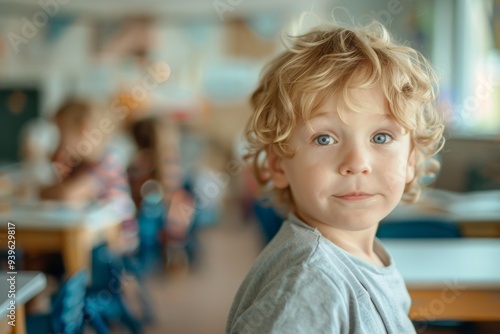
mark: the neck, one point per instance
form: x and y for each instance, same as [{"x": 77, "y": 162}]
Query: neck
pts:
[{"x": 358, "y": 243}]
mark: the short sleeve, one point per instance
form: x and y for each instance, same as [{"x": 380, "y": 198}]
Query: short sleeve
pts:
[{"x": 304, "y": 300}]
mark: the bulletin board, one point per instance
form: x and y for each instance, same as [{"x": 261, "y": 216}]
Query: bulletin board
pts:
[{"x": 18, "y": 105}]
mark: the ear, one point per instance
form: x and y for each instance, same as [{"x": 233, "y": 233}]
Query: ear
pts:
[
  {"x": 410, "y": 167},
  {"x": 276, "y": 171}
]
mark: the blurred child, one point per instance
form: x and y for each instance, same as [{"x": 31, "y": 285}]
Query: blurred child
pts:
[
  {"x": 158, "y": 161},
  {"x": 346, "y": 122},
  {"x": 143, "y": 165},
  {"x": 85, "y": 165}
]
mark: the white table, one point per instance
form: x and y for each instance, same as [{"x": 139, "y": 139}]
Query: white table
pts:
[
  {"x": 28, "y": 285},
  {"x": 476, "y": 213},
  {"x": 450, "y": 278},
  {"x": 42, "y": 226}
]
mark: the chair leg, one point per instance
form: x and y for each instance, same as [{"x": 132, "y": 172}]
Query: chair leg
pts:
[
  {"x": 148, "y": 312},
  {"x": 132, "y": 266},
  {"x": 93, "y": 317},
  {"x": 128, "y": 320}
]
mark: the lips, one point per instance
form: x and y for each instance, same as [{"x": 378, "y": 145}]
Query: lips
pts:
[{"x": 354, "y": 196}]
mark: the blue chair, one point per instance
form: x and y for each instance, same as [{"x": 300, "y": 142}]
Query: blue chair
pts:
[
  {"x": 429, "y": 229},
  {"x": 269, "y": 220},
  {"x": 71, "y": 311},
  {"x": 133, "y": 266},
  {"x": 411, "y": 229},
  {"x": 151, "y": 221},
  {"x": 92, "y": 315},
  {"x": 106, "y": 289}
]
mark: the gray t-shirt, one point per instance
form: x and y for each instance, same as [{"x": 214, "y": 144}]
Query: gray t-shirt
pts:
[{"x": 304, "y": 283}]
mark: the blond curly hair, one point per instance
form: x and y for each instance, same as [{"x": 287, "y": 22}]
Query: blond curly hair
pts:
[{"x": 328, "y": 61}]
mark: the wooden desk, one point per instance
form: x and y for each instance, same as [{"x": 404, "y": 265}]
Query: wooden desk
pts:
[
  {"x": 477, "y": 213},
  {"x": 71, "y": 230},
  {"x": 28, "y": 285},
  {"x": 450, "y": 278}
]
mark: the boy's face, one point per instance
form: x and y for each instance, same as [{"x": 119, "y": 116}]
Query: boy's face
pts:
[{"x": 347, "y": 176}]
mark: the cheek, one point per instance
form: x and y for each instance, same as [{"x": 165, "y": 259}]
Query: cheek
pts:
[
  {"x": 306, "y": 178},
  {"x": 395, "y": 174}
]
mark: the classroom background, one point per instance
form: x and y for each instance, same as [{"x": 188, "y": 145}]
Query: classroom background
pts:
[{"x": 171, "y": 81}]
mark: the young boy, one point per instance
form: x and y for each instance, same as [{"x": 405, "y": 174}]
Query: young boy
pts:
[{"x": 343, "y": 129}]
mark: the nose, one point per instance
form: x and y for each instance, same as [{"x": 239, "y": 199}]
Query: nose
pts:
[{"x": 355, "y": 161}]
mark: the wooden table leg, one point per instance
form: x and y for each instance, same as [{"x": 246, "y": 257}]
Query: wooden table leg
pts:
[
  {"x": 76, "y": 251},
  {"x": 20, "y": 327},
  {"x": 5, "y": 328}
]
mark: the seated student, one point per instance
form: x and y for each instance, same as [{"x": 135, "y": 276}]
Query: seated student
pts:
[
  {"x": 143, "y": 163},
  {"x": 86, "y": 165},
  {"x": 87, "y": 168},
  {"x": 347, "y": 123},
  {"x": 158, "y": 159}
]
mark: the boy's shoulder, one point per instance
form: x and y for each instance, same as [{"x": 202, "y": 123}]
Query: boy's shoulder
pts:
[{"x": 296, "y": 243}]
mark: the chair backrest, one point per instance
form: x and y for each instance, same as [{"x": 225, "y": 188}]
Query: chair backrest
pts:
[
  {"x": 68, "y": 308},
  {"x": 106, "y": 267},
  {"x": 418, "y": 229},
  {"x": 105, "y": 293},
  {"x": 269, "y": 219}
]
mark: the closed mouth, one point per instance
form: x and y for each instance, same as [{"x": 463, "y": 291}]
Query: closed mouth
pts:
[{"x": 354, "y": 196}]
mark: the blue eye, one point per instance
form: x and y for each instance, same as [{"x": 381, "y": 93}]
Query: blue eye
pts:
[
  {"x": 382, "y": 138},
  {"x": 324, "y": 140}
]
